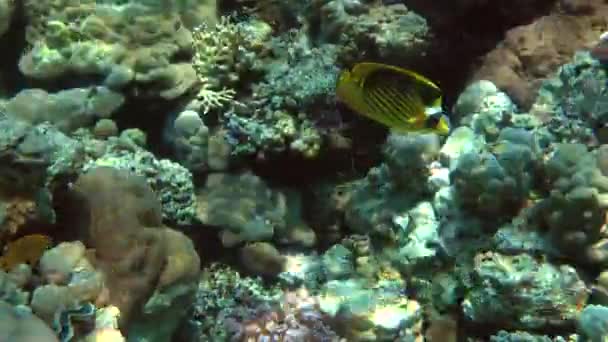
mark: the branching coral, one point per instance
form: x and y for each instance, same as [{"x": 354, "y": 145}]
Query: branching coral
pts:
[{"x": 223, "y": 54}]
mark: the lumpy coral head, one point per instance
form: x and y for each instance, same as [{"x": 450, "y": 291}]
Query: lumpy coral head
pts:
[{"x": 138, "y": 255}]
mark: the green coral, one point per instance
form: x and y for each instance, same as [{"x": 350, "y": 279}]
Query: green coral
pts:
[
  {"x": 172, "y": 182},
  {"x": 574, "y": 212},
  {"x": 223, "y": 293},
  {"x": 520, "y": 292}
]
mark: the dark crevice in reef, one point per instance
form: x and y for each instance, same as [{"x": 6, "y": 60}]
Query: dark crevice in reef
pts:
[
  {"x": 151, "y": 117},
  {"x": 463, "y": 35},
  {"x": 11, "y": 78},
  {"x": 294, "y": 170}
]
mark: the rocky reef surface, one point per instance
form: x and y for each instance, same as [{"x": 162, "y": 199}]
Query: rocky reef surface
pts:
[{"x": 182, "y": 171}]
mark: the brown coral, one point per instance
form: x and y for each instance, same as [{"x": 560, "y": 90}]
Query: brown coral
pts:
[
  {"x": 137, "y": 254},
  {"x": 531, "y": 52},
  {"x": 18, "y": 212},
  {"x": 27, "y": 249}
]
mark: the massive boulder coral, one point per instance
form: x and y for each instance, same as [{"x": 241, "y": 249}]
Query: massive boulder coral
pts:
[
  {"x": 573, "y": 104},
  {"x": 521, "y": 293},
  {"x": 34, "y": 161},
  {"x": 497, "y": 184},
  {"x": 378, "y": 30},
  {"x": 18, "y": 324},
  {"x": 574, "y": 212},
  {"x": 243, "y": 206},
  {"x": 91, "y": 39},
  {"x": 140, "y": 258},
  {"x": 392, "y": 188},
  {"x": 533, "y": 51},
  {"x": 67, "y": 110},
  {"x": 171, "y": 182}
]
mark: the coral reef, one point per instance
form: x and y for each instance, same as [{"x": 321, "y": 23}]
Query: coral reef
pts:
[
  {"x": 88, "y": 38},
  {"x": 522, "y": 293},
  {"x": 171, "y": 182},
  {"x": 136, "y": 135},
  {"x": 243, "y": 206},
  {"x": 394, "y": 186},
  {"x": 67, "y": 110},
  {"x": 130, "y": 233},
  {"x": 533, "y": 51},
  {"x": 20, "y": 325},
  {"x": 382, "y": 31},
  {"x": 574, "y": 212}
]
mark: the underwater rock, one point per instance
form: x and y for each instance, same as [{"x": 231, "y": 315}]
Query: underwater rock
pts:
[
  {"x": 262, "y": 258},
  {"x": 394, "y": 186},
  {"x": 485, "y": 109},
  {"x": 67, "y": 110},
  {"x": 522, "y": 336},
  {"x": 106, "y": 326},
  {"x": 34, "y": 161},
  {"x": 497, "y": 296},
  {"x": 531, "y": 52},
  {"x": 224, "y": 295},
  {"x": 151, "y": 52},
  {"x": 573, "y": 104},
  {"x": 11, "y": 290},
  {"x": 243, "y": 207},
  {"x": 301, "y": 270},
  {"x": 172, "y": 182},
  {"x": 18, "y": 324},
  {"x": 380, "y": 31},
  {"x": 420, "y": 235},
  {"x": 370, "y": 314},
  {"x": 498, "y": 183},
  {"x": 130, "y": 232},
  {"x": 574, "y": 212},
  {"x": 338, "y": 263},
  {"x": 593, "y": 322},
  {"x": 461, "y": 141}
]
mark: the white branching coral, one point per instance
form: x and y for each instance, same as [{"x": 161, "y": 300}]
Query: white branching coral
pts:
[
  {"x": 211, "y": 99},
  {"x": 215, "y": 52}
]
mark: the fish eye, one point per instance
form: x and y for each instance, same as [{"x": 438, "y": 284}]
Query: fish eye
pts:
[{"x": 433, "y": 120}]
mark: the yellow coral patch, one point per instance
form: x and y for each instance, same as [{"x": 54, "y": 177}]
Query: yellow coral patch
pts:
[{"x": 27, "y": 249}]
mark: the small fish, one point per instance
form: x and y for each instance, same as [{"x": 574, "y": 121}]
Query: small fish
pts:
[
  {"x": 398, "y": 98},
  {"x": 26, "y": 249}
]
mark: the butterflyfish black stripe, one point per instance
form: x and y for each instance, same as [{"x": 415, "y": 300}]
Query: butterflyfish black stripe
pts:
[
  {"x": 391, "y": 111},
  {"x": 383, "y": 111},
  {"x": 403, "y": 104},
  {"x": 406, "y": 108},
  {"x": 376, "y": 108}
]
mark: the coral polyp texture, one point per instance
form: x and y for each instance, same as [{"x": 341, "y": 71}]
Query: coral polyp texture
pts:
[{"x": 303, "y": 171}]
